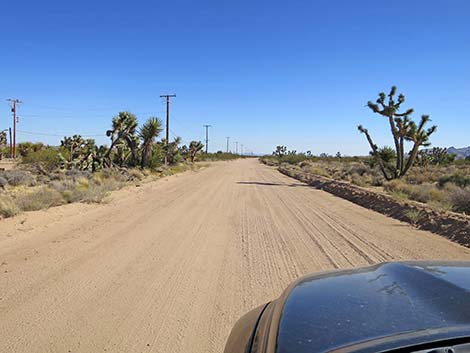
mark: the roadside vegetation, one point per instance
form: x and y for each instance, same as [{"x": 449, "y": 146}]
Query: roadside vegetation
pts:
[
  {"x": 78, "y": 170},
  {"x": 428, "y": 175}
]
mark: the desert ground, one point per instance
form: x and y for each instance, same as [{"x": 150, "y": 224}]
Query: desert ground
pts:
[{"x": 171, "y": 265}]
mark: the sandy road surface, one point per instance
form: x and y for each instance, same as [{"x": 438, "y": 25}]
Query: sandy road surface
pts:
[{"x": 169, "y": 267}]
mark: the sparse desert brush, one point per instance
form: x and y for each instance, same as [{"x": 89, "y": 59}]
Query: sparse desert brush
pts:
[
  {"x": 414, "y": 216},
  {"x": 458, "y": 179},
  {"x": 42, "y": 197},
  {"x": 460, "y": 199},
  {"x": 426, "y": 193},
  {"x": 398, "y": 195},
  {"x": 62, "y": 185},
  {"x": 8, "y": 207},
  {"x": 18, "y": 177},
  {"x": 179, "y": 168},
  {"x": 359, "y": 180},
  {"x": 317, "y": 170},
  {"x": 83, "y": 183},
  {"x": 397, "y": 185},
  {"x": 135, "y": 174}
]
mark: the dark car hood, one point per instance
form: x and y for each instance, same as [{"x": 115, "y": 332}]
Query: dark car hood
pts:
[{"x": 409, "y": 301}]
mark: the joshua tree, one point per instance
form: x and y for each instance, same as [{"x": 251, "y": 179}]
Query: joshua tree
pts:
[
  {"x": 194, "y": 148},
  {"x": 148, "y": 132},
  {"x": 280, "y": 151},
  {"x": 402, "y": 129},
  {"x": 124, "y": 129},
  {"x": 3, "y": 143},
  {"x": 171, "y": 150},
  {"x": 84, "y": 154},
  {"x": 435, "y": 156},
  {"x": 3, "y": 139}
]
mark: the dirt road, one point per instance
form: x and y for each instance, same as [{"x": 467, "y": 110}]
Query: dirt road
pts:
[{"x": 170, "y": 266}]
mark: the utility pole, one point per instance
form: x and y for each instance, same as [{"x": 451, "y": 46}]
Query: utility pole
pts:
[
  {"x": 11, "y": 144},
  {"x": 236, "y": 148},
  {"x": 167, "y": 136},
  {"x": 228, "y": 140},
  {"x": 207, "y": 136},
  {"x": 241, "y": 149},
  {"x": 14, "y": 103}
]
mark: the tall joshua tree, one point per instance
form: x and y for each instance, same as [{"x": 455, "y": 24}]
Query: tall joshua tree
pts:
[
  {"x": 148, "y": 132},
  {"x": 402, "y": 129},
  {"x": 124, "y": 129}
]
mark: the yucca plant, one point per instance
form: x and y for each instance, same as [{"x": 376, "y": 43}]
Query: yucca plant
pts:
[
  {"x": 148, "y": 133},
  {"x": 124, "y": 127}
]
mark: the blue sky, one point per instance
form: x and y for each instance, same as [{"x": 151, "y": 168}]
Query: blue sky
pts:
[{"x": 264, "y": 73}]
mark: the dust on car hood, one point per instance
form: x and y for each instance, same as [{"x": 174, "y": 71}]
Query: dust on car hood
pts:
[{"x": 411, "y": 302}]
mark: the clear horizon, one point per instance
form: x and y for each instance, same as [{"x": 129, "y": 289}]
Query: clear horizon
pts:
[{"x": 263, "y": 73}]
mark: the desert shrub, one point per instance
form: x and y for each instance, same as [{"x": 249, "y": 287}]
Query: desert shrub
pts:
[
  {"x": 3, "y": 182},
  {"x": 460, "y": 199},
  {"x": 219, "y": 156},
  {"x": 179, "y": 168},
  {"x": 92, "y": 194},
  {"x": 426, "y": 193},
  {"x": 377, "y": 181},
  {"x": 76, "y": 174},
  {"x": 135, "y": 174},
  {"x": 43, "y": 197},
  {"x": 62, "y": 185},
  {"x": 292, "y": 158},
  {"x": 414, "y": 216},
  {"x": 18, "y": 177},
  {"x": 8, "y": 206},
  {"x": 458, "y": 179},
  {"x": 48, "y": 158},
  {"x": 359, "y": 180},
  {"x": 26, "y": 148},
  {"x": 397, "y": 185},
  {"x": 423, "y": 193},
  {"x": 359, "y": 169}
]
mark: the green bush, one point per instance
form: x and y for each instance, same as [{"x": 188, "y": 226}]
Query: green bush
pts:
[
  {"x": 458, "y": 179},
  {"x": 48, "y": 158}
]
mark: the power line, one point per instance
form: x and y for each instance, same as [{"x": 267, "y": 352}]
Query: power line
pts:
[{"x": 58, "y": 135}]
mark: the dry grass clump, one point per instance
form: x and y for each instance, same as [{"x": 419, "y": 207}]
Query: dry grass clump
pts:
[
  {"x": 425, "y": 193},
  {"x": 42, "y": 197},
  {"x": 460, "y": 199},
  {"x": 8, "y": 207}
]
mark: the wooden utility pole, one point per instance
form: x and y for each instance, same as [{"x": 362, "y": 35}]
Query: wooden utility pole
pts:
[
  {"x": 167, "y": 136},
  {"x": 207, "y": 136},
  {"x": 11, "y": 144},
  {"x": 228, "y": 140},
  {"x": 14, "y": 103}
]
